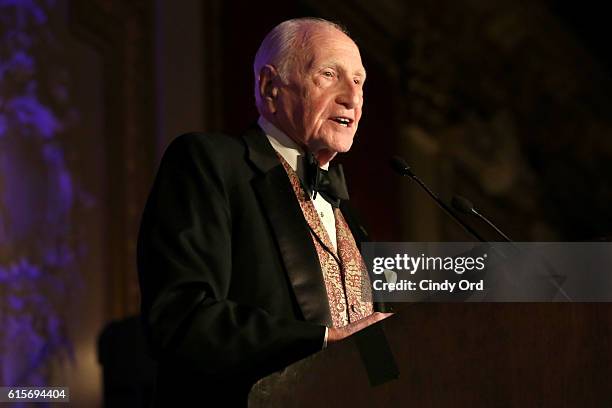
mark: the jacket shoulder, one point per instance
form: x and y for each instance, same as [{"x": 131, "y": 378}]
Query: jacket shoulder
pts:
[
  {"x": 211, "y": 145},
  {"x": 217, "y": 157}
]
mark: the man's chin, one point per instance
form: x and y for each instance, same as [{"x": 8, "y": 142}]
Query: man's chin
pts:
[
  {"x": 326, "y": 154},
  {"x": 343, "y": 145},
  {"x": 329, "y": 147}
]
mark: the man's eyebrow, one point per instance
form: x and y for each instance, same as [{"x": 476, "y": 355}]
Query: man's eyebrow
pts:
[{"x": 360, "y": 72}]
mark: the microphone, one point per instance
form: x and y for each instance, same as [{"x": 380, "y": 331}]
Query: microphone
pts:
[
  {"x": 465, "y": 206},
  {"x": 400, "y": 166}
]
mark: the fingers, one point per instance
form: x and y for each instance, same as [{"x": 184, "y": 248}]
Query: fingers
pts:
[
  {"x": 382, "y": 316},
  {"x": 365, "y": 322},
  {"x": 374, "y": 318},
  {"x": 334, "y": 335},
  {"x": 337, "y": 334}
]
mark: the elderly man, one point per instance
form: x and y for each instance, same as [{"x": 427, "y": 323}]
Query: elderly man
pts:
[{"x": 248, "y": 257}]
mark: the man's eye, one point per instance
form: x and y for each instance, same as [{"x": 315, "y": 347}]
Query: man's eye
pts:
[
  {"x": 328, "y": 74},
  {"x": 357, "y": 81}
]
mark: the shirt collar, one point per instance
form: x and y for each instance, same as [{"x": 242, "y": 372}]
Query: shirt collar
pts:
[{"x": 284, "y": 145}]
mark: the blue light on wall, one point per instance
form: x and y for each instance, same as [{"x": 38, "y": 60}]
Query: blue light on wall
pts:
[{"x": 37, "y": 196}]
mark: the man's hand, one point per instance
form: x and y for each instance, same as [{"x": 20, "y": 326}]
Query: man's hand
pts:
[{"x": 337, "y": 334}]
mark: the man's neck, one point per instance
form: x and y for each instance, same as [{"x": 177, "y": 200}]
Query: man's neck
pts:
[{"x": 323, "y": 156}]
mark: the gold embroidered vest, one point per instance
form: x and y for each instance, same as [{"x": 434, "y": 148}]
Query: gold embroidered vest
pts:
[{"x": 344, "y": 271}]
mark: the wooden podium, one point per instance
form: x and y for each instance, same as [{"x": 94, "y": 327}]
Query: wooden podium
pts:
[{"x": 459, "y": 355}]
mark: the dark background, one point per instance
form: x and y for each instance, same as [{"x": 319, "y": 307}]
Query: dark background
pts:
[{"x": 505, "y": 102}]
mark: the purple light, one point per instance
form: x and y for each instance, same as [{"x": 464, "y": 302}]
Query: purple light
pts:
[
  {"x": 37, "y": 198},
  {"x": 30, "y": 113},
  {"x": 3, "y": 125}
]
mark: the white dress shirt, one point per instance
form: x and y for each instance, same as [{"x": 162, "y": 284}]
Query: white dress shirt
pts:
[{"x": 293, "y": 153}]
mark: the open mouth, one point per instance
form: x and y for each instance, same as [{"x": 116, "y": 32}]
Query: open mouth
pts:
[{"x": 343, "y": 121}]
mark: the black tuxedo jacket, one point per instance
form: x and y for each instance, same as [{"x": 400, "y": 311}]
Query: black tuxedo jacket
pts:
[{"x": 232, "y": 288}]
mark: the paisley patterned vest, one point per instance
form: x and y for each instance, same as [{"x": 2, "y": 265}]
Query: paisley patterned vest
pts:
[{"x": 344, "y": 271}]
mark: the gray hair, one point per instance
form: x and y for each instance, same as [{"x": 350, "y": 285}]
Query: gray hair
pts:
[{"x": 279, "y": 47}]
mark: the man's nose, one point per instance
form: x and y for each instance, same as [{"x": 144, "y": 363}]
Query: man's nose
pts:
[{"x": 351, "y": 95}]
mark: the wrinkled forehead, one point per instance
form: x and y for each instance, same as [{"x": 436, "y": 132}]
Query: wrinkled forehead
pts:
[{"x": 321, "y": 44}]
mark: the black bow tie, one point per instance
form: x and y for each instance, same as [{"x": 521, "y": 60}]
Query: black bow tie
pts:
[{"x": 329, "y": 183}]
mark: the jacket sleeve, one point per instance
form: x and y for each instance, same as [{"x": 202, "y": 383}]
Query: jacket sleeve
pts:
[{"x": 185, "y": 268}]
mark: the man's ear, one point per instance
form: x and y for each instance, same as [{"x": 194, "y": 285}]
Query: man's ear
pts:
[{"x": 268, "y": 89}]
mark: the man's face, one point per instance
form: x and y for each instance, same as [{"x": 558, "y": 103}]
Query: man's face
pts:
[{"x": 320, "y": 107}]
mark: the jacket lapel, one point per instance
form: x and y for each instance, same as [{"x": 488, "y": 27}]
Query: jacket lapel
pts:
[
  {"x": 309, "y": 211},
  {"x": 279, "y": 205}
]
